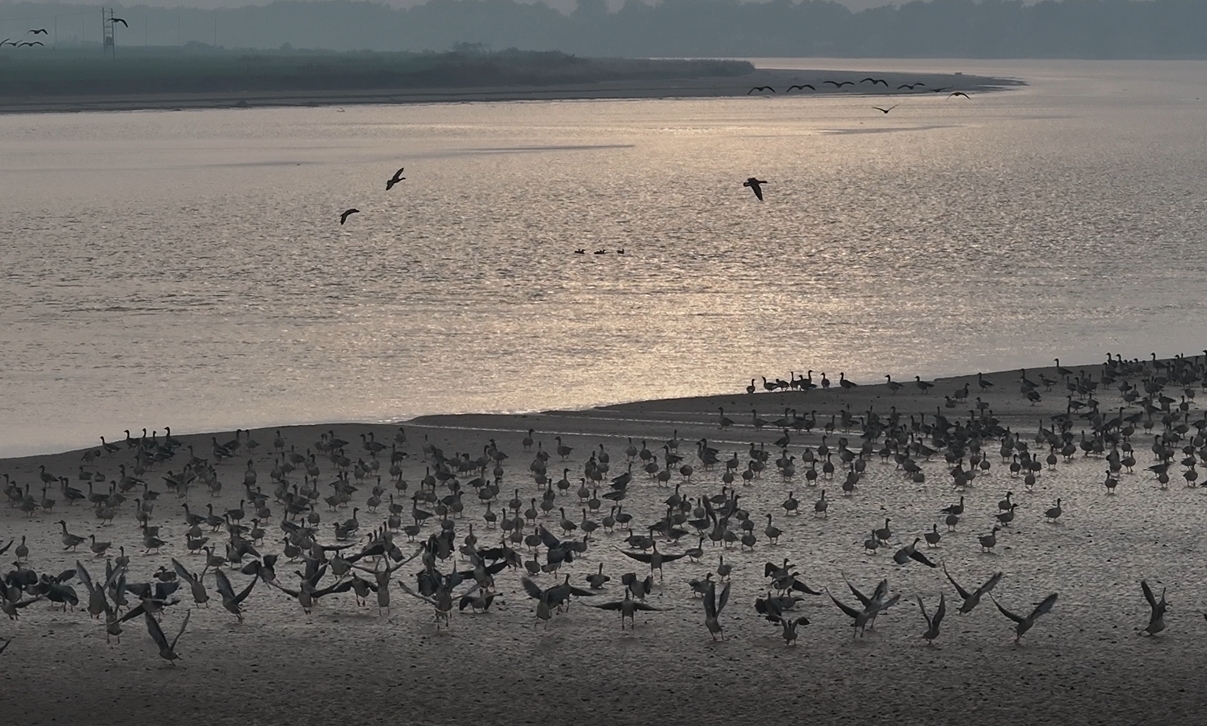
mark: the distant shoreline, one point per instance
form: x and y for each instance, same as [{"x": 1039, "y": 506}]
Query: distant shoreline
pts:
[{"x": 662, "y": 88}]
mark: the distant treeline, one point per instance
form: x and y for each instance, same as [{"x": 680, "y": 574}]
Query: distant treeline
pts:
[
  {"x": 165, "y": 70},
  {"x": 681, "y": 28}
]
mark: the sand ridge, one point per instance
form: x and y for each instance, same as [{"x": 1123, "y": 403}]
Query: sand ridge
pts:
[{"x": 1083, "y": 663}]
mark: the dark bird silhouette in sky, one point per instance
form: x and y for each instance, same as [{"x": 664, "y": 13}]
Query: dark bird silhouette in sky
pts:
[
  {"x": 760, "y": 89},
  {"x": 875, "y": 81},
  {"x": 10, "y": 41},
  {"x": 958, "y": 93},
  {"x": 801, "y": 86},
  {"x": 394, "y": 180},
  {"x": 910, "y": 86},
  {"x": 29, "y": 43},
  {"x": 347, "y": 213},
  {"x": 840, "y": 84},
  {"x": 886, "y": 110},
  {"x": 38, "y": 31},
  {"x": 120, "y": 20},
  {"x": 755, "y": 185}
]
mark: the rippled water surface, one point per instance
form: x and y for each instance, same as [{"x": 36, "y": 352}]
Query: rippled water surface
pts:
[{"x": 189, "y": 269}]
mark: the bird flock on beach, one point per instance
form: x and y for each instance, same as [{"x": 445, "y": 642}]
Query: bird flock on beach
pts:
[{"x": 292, "y": 535}]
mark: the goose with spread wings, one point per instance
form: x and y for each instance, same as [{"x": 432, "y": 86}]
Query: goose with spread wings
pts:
[
  {"x": 628, "y": 608},
  {"x": 395, "y": 179},
  {"x": 1024, "y": 623},
  {"x": 933, "y": 621},
  {"x": 654, "y": 559},
  {"x": 713, "y": 606},
  {"x": 972, "y": 599},
  {"x": 167, "y": 650},
  {"x": 231, "y": 600},
  {"x": 1156, "y": 620}
]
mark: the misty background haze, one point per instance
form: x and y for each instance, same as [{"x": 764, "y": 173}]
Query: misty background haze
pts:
[{"x": 676, "y": 28}]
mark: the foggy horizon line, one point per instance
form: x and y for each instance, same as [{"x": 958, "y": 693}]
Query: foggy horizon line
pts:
[{"x": 1111, "y": 29}]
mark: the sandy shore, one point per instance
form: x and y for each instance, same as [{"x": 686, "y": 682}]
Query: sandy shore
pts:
[
  {"x": 662, "y": 88},
  {"x": 1082, "y": 664}
]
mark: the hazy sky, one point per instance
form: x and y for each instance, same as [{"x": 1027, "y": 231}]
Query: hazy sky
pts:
[{"x": 563, "y": 4}]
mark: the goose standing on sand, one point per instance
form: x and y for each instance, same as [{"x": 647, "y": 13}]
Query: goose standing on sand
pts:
[
  {"x": 1023, "y": 624},
  {"x": 1156, "y": 621},
  {"x": 1054, "y": 513},
  {"x": 989, "y": 541},
  {"x": 756, "y": 186}
]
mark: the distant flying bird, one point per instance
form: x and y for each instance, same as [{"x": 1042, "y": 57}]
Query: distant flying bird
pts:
[
  {"x": 7, "y": 40},
  {"x": 347, "y": 213},
  {"x": 886, "y": 110},
  {"x": 802, "y": 87},
  {"x": 38, "y": 31},
  {"x": 875, "y": 81},
  {"x": 167, "y": 650},
  {"x": 837, "y": 84},
  {"x": 394, "y": 180},
  {"x": 760, "y": 89},
  {"x": 1156, "y": 621},
  {"x": 755, "y": 185},
  {"x": 28, "y": 43},
  {"x": 120, "y": 20},
  {"x": 910, "y": 86},
  {"x": 959, "y": 93},
  {"x": 940, "y": 90}
]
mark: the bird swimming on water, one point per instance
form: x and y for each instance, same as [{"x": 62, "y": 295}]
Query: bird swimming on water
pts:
[{"x": 756, "y": 186}]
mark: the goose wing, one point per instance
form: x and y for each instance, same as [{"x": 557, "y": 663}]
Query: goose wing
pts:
[
  {"x": 1044, "y": 607},
  {"x": 989, "y": 584},
  {"x": 639, "y": 556},
  {"x": 648, "y": 608},
  {"x": 710, "y": 601},
  {"x": 414, "y": 594},
  {"x": 183, "y": 573},
  {"x": 850, "y": 611},
  {"x": 155, "y": 631},
  {"x": 918, "y": 556},
  {"x": 964, "y": 593},
  {"x": 1148, "y": 594},
  {"x": 940, "y": 612},
  {"x": 224, "y": 585},
  {"x": 922, "y": 607},
  {"x": 239, "y": 598},
  {"x": 723, "y": 599},
  {"x": 137, "y": 610},
  {"x": 86, "y": 579},
  {"x": 534, "y": 590},
  {"x": 855, "y": 591},
  {"x": 671, "y": 558},
  {"x": 802, "y": 587},
  {"x": 1007, "y": 613},
  {"x": 288, "y": 591},
  {"x": 187, "y": 614},
  {"x": 617, "y": 605}
]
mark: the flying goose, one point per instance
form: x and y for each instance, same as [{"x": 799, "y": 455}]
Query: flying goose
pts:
[
  {"x": 1024, "y": 623},
  {"x": 167, "y": 650},
  {"x": 628, "y": 608},
  {"x": 971, "y": 599},
  {"x": 932, "y": 621},
  {"x": 1156, "y": 621}
]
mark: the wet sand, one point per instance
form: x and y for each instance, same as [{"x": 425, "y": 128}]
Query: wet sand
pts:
[
  {"x": 1082, "y": 664},
  {"x": 659, "y": 88}
]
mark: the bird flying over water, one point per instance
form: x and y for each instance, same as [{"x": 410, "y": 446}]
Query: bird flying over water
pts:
[
  {"x": 910, "y": 86},
  {"x": 958, "y": 93},
  {"x": 38, "y": 31},
  {"x": 30, "y": 43},
  {"x": 886, "y": 110},
  {"x": 394, "y": 180},
  {"x": 343, "y": 217},
  {"x": 840, "y": 84},
  {"x": 760, "y": 89},
  {"x": 801, "y": 86},
  {"x": 755, "y": 185}
]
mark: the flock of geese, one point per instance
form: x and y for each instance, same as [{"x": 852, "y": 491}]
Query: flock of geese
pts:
[
  {"x": 155, "y": 479},
  {"x": 839, "y": 85},
  {"x": 25, "y": 43}
]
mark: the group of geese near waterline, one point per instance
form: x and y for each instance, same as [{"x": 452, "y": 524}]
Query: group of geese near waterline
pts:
[{"x": 320, "y": 551}]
